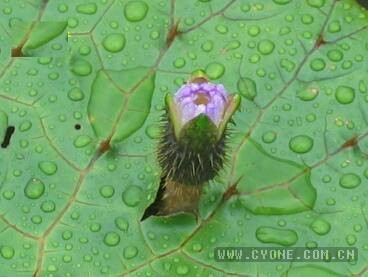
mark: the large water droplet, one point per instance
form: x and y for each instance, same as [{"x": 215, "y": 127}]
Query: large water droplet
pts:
[
  {"x": 266, "y": 47},
  {"x": 89, "y": 8},
  {"x": 107, "y": 191},
  {"x": 49, "y": 168},
  {"x": 81, "y": 67},
  {"x": 247, "y": 88},
  {"x": 317, "y": 64},
  {"x": 34, "y": 188},
  {"x": 114, "y": 42},
  {"x": 345, "y": 95},
  {"x": 111, "y": 239},
  {"x": 7, "y": 252},
  {"x": 269, "y": 137},
  {"x": 285, "y": 237},
  {"x": 308, "y": 94},
  {"x": 215, "y": 70},
  {"x": 350, "y": 180},
  {"x": 76, "y": 94},
  {"x": 135, "y": 11},
  {"x": 316, "y": 3},
  {"x": 132, "y": 196},
  {"x": 301, "y": 144},
  {"x": 320, "y": 226}
]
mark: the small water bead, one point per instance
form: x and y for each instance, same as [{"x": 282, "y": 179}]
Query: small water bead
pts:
[
  {"x": 49, "y": 168},
  {"x": 282, "y": 2},
  {"x": 269, "y": 137},
  {"x": 72, "y": 22},
  {"x": 317, "y": 64},
  {"x": 8, "y": 194},
  {"x": 84, "y": 50},
  {"x": 66, "y": 235},
  {"x": 334, "y": 27},
  {"x": 335, "y": 55},
  {"x": 36, "y": 219},
  {"x": 207, "y": 46},
  {"x": 95, "y": 227},
  {"x": 63, "y": 8},
  {"x": 111, "y": 239},
  {"x": 320, "y": 226},
  {"x": 48, "y": 206},
  {"x": 114, "y": 42},
  {"x": 7, "y": 252},
  {"x": 153, "y": 131},
  {"x": 34, "y": 188},
  {"x": 345, "y": 95},
  {"x": 107, "y": 191},
  {"x": 132, "y": 196},
  {"x": 351, "y": 239},
  {"x": 82, "y": 141},
  {"x": 121, "y": 223},
  {"x": 307, "y": 19},
  {"x": 130, "y": 252},
  {"x": 182, "y": 269},
  {"x": 179, "y": 63},
  {"x": 235, "y": 44},
  {"x": 88, "y": 8},
  {"x": 25, "y": 125},
  {"x": 301, "y": 144},
  {"x": 254, "y": 31},
  {"x": 135, "y": 11},
  {"x": 347, "y": 64},
  {"x": 350, "y": 180},
  {"x": 222, "y": 29},
  {"x": 154, "y": 35}
]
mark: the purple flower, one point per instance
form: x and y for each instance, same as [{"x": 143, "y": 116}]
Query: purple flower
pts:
[{"x": 194, "y": 99}]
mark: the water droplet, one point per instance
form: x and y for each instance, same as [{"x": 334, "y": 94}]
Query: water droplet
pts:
[
  {"x": 107, "y": 191},
  {"x": 114, "y": 42},
  {"x": 317, "y": 64},
  {"x": 316, "y": 3},
  {"x": 207, "y": 46},
  {"x": 66, "y": 235},
  {"x": 48, "y": 206},
  {"x": 197, "y": 247},
  {"x": 49, "y": 168},
  {"x": 95, "y": 227},
  {"x": 345, "y": 94},
  {"x": 81, "y": 67},
  {"x": 179, "y": 63},
  {"x": 182, "y": 269},
  {"x": 247, "y": 88},
  {"x": 320, "y": 226},
  {"x": 307, "y": 19},
  {"x": 82, "y": 141},
  {"x": 76, "y": 94},
  {"x": 34, "y": 188},
  {"x": 253, "y": 31},
  {"x": 285, "y": 237},
  {"x": 215, "y": 70},
  {"x": 282, "y": 2},
  {"x": 111, "y": 239},
  {"x": 350, "y": 180},
  {"x": 334, "y": 27},
  {"x": 351, "y": 239},
  {"x": 8, "y": 194},
  {"x": 301, "y": 144},
  {"x": 266, "y": 47},
  {"x": 308, "y": 94},
  {"x": 121, "y": 223},
  {"x": 62, "y": 8},
  {"x": 269, "y": 137},
  {"x": 153, "y": 131},
  {"x": 36, "y": 219},
  {"x": 135, "y": 11},
  {"x": 222, "y": 29},
  {"x": 130, "y": 252},
  {"x": 132, "y": 196},
  {"x": 25, "y": 126},
  {"x": 7, "y": 252},
  {"x": 89, "y": 8},
  {"x": 235, "y": 44}
]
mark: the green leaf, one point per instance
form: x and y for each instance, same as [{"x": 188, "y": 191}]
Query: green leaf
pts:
[{"x": 85, "y": 73}]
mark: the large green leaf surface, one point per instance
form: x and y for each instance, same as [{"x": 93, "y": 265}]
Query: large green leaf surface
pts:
[{"x": 84, "y": 73}]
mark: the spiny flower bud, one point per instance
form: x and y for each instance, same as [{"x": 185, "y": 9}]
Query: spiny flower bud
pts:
[{"x": 192, "y": 148}]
